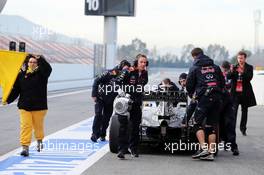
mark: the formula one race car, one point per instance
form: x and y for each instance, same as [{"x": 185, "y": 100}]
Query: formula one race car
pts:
[{"x": 163, "y": 118}]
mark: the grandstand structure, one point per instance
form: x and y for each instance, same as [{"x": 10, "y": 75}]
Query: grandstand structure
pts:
[{"x": 54, "y": 52}]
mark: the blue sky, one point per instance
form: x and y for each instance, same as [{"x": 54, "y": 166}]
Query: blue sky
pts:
[{"x": 164, "y": 23}]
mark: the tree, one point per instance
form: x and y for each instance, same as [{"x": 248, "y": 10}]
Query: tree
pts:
[
  {"x": 217, "y": 52},
  {"x": 186, "y": 56},
  {"x": 130, "y": 51}
]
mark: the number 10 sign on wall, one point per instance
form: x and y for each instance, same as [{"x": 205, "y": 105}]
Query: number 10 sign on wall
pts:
[
  {"x": 93, "y": 7},
  {"x": 110, "y": 7}
]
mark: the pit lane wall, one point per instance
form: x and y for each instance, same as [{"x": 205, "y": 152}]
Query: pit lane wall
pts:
[{"x": 69, "y": 76}]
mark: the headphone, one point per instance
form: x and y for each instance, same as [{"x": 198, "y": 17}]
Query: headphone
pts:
[{"x": 135, "y": 63}]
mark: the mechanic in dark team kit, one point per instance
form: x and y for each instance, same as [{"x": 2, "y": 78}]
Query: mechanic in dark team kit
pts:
[
  {"x": 205, "y": 79},
  {"x": 104, "y": 101},
  {"x": 228, "y": 118},
  {"x": 136, "y": 79}
]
